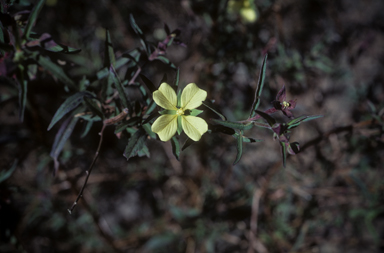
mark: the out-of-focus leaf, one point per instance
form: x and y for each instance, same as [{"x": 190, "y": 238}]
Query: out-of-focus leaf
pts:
[
  {"x": 6, "y": 47},
  {"x": 23, "y": 87},
  {"x": 213, "y": 110},
  {"x": 151, "y": 87},
  {"x": 5, "y": 174},
  {"x": 271, "y": 121},
  {"x": 69, "y": 104},
  {"x": 135, "y": 143},
  {"x": 175, "y": 147},
  {"x": 160, "y": 241},
  {"x": 259, "y": 89},
  {"x": 234, "y": 125},
  {"x": 135, "y": 27},
  {"x": 62, "y": 136},
  {"x": 56, "y": 71},
  {"x": 109, "y": 55},
  {"x": 284, "y": 152},
  {"x": 187, "y": 143},
  {"x": 239, "y": 148},
  {"x": 32, "y": 19},
  {"x": 93, "y": 107},
  {"x": 47, "y": 43},
  {"x": 150, "y": 117}
]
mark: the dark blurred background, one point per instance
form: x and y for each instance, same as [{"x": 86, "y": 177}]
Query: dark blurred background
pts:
[{"x": 329, "y": 198}]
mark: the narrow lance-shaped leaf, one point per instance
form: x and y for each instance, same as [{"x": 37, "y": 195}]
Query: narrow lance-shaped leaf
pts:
[
  {"x": 175, "y": 147},
  {"x": 296, "y": 122},
  {"x": 109, "y": 55},
  {"x": 271, "y": 121},
  {"x": 62, "y": 136},
  {"x": 151, "y": 87},
  {"x": 259, "y": 89},
  {"x": 135, "y": 143},
  {"x": 94, "y": 107},
  {"x": 47, "y": 43},
  {"x": 56, "y": 71},
  {"x": 213, "y": 110},
  {"x": 32, "y": 19},
  {"x": 23, "y": 87},
  {"x": 176, "y": 82},
  {"x": 119, "y": 88},
  {"x": 284, "y": 152},
  {"x": 69, "y": 104},
  {"x": 239, "y": 148},
  {"x": 188, "y": 142}
]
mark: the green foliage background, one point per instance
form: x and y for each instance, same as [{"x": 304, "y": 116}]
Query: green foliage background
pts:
[{"x": 329, "y": 198}]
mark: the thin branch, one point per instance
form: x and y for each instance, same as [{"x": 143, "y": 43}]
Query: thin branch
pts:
[{"x": 88, "y": 172}]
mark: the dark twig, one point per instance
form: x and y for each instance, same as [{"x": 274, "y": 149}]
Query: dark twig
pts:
[{"x": 88, "y": 172}]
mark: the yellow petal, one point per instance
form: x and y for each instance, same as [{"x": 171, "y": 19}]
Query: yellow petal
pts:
[
  {"x": 165, "y": 126},
  {"x": 165, "y": 97},
  {"x": 192, "y": 96},
  {"x": 194, "y": 127}
]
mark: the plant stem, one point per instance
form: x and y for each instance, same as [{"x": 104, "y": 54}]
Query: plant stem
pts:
[{"x": 88, "y": 172}]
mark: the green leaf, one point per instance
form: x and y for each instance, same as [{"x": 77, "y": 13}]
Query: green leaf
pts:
[
  {"x": 213, "y": 110},
  {"x": 150, "y": 117},
  {"x": 32, "y": 19},
  {"x": 63, "y": 134},
  {"x": 259, "y": 89},
  {"x": 135, "y": 27},
  {"x": 69, "y": 104},
  {"x": 135, "y": 143},
  {"x": 176, "y": 82},
  {"x": 148, "y": 130},
  {"x": 143, "y": 152},
  {"x": 271, "y": 121},
  {"x": 23, "y": 87},
  {"x": 234, "y": 125},
  {"x": 46, "y": 42},
  {"x": 56, "y": 71},
  {"x": 4, "y": 175},
  {"x": 194, "y": 112},
  {"x": 109, "y": 55},
  {"x": 188, "y": 142},
  {"x": 94, "y": 107},
  {"x": 120, "y": 88},
  {"x": 131, "y": 122},
  {"x": 296, "y": 122},
  {"x": 88, "y": 126},
  {"x": 175, "y": 147},
  {"x": 151, "y": 87},
  {"x": 239, "y": 148},
  {"x": 166, "y": 61},
  {"x": 284, "y": 152}
]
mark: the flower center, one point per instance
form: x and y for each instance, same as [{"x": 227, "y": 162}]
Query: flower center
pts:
[
  {"x": 285, "y": 104},
  {"x": 180, "y": 112}
]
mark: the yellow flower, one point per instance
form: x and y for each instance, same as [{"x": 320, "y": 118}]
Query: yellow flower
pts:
[{"x": 180, "y": 112}]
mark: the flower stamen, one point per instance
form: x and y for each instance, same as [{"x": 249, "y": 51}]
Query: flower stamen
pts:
[{"x": 180, "y": 112}]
